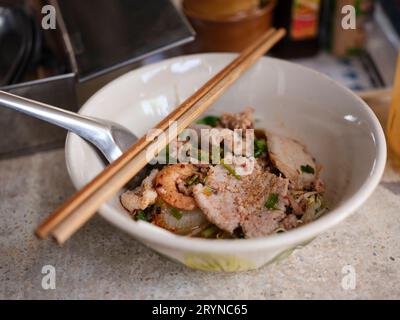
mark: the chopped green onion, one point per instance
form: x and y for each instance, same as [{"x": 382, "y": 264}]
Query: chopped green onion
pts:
[
  {"x": 209, "y": 231},
  {"x": 167, "y": 152},
  {"x": 260, "y": 146},
  {"x": 307, "y": 169},
  {"x": 211, "y": 121},
  {"x": 176, "y": 213},
  {"x": 257, "y": 153},
  {"x": 230, "y": 169},
  {"x": 207, "y": 191},
  {"x": 192, "y": 179},
  {"x": 272, "y": 201},
  {"x": 141, "y": 215}
]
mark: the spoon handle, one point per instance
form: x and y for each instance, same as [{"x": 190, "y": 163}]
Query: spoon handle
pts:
[{"x": 87, "y": 128}]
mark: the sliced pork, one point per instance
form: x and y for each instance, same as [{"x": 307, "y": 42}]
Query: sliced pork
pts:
[
  {"x": 229, "y": 202},
  {"x": 235, "y": 187},
  {"x": 141, "y": 197},
  {"x": 292, "y": 159},
  {"x": 242, "y": 120},
  {"x": 262, "y": 223}
]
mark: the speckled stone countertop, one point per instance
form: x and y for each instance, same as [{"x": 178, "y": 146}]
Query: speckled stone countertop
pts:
[{"x": 102, "y": 262}]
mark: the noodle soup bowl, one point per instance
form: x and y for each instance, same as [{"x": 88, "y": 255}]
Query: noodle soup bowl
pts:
[{"x": 338, "y": 128}]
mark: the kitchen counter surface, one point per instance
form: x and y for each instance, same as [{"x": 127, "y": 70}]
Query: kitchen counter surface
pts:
[{"x": 102, "y": 262}]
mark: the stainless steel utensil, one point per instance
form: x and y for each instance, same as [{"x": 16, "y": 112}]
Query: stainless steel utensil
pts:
[{"x": 110, "y": 138}]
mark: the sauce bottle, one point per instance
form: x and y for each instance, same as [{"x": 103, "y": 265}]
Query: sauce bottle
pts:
[{"x": 301, "y": 18}]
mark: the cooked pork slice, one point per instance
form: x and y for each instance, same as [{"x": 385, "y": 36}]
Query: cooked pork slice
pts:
[
  {"x": 141, "y": 197},
  {"x": 229, "y": 202},
  {"x": 217, "y": 200},
  {"x": 263, "y": 223},
  {"x": 243, "y": 120},
  {"x": 292, "y": 159}
]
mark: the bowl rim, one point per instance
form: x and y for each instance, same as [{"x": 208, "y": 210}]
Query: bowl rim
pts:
[{"x": 157, "y": 236}]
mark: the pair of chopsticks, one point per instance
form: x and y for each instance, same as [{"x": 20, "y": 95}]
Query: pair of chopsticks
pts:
[{"x": 76, "y": 211}]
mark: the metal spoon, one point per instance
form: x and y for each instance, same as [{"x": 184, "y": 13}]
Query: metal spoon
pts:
[{"x": 110, "y": 138}]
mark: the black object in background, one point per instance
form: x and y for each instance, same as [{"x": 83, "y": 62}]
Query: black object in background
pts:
[
  {"x": 106, "y": 35},
  {"x": 392, "y": 10},
  {"x": 16, "y": 43},
  {"x": 20, "y": 43}
]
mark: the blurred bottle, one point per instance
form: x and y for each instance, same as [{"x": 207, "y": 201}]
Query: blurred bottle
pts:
[
  {"x": 301, "y": 18},
  {"x": 393, "y": 125}
]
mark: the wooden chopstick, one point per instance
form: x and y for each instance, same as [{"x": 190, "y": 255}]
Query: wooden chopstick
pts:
[{"x": 80, "y": 208}]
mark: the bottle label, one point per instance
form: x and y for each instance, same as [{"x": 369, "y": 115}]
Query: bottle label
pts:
[{"x": 305, "y": 19}]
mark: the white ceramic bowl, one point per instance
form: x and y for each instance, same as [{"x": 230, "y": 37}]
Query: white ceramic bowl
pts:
[{"x": 338, "y": 127}]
